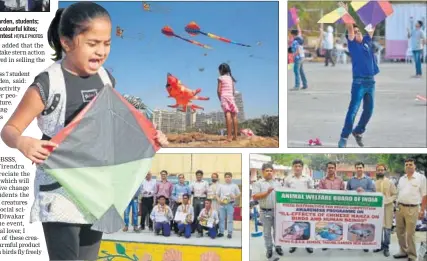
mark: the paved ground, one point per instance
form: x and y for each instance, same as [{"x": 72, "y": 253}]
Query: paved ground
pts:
[
  {"x": 149, "y": 237},
  {"x": 318, "y": 112},
  {"x": 258, "y": 252}
]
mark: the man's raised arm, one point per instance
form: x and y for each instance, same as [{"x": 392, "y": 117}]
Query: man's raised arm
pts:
[{"x": 349, "y": 26}]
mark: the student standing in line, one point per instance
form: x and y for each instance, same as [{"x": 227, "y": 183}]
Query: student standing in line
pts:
[
  {"x": 147, "y": 200},
  {"x": 227, "y": 195},
  {"x": 199, "y": 188},
  {"x": 178, "y": 191}
]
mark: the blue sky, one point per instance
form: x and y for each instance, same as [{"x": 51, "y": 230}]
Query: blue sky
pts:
[{"x": 142, "y": 59}]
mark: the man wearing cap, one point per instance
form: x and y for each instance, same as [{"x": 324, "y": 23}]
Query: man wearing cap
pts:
[
  {"x": 412, "y": 193},
  {"x": 388, "y": 189},
  {"x": 299, "y": 181},
  {"x": 199, "y": 188},
  {"x": 263, "y": 192}
]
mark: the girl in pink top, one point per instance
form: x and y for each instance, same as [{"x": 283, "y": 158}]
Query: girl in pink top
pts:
[{"x": 226, "y": 93}]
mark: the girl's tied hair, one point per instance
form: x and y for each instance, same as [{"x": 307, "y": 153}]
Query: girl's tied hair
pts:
[
  {"x": 72, "y": 21},
  {"x": 225, "y": 69}
]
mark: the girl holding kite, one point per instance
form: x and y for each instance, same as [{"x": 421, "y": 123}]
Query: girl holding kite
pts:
[
  {"x": 80, "y": 36},
  {"x": 226, "y": 93}
]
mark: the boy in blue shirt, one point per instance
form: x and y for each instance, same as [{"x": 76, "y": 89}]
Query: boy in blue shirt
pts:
[{"x": 364, "y": 68}]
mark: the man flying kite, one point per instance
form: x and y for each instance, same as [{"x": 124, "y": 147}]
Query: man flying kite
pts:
[{"x": 364, "y": 68}]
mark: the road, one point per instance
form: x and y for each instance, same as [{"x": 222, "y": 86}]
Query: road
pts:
[
  {"x": 258, "y": 252},
  {"x": 399, "y": 120}
]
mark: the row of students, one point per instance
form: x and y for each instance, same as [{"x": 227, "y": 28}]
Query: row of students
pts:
[
  {"x": 221, "y": 198},
  {"x": 162, "y": 216}
]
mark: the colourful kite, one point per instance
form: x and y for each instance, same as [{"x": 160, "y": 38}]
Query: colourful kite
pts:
[
  {"x": 119, "y": 32},
  {"x": 169, "y": 33},
  {"x": 154, "y": 9},
  {"x": 103, "y": 157},
  {"x": 182, "y": 94},
  {"x": 372, "y": 13},
  {"x": 292, "y": 17},
  {"x": 339, "y": 15},
  {"x": 194, "y": 29},
  {"x": 139, "y": 105}
]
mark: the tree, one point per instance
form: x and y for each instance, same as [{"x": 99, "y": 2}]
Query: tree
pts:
[
  {"x": 266, "y": 126},
  {"x": 318, "y": 161},
  {"x": 285, "y": 159}
]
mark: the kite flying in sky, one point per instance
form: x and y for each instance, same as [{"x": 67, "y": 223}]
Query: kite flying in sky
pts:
[
  {"x": 102, "y": 168},
  {"x": 194, "y": 29},
  {"x": 372, "y": 12},
  {"x": 120, "y": 33},
  {"x": 139, "y": 105},
  {"x": 182, "y": 94},
  {"x": 155, "y": 9},
  {"x": 292, "y": 17},
  {"x": 339, "y": 15},
  {"x": 169, "y": 33}
]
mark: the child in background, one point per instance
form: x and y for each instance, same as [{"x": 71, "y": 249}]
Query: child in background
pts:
[
  {"x": 81, "y": 37},
  {"x": 226, "y": 92},
  {"x": 299, "y": 55}
]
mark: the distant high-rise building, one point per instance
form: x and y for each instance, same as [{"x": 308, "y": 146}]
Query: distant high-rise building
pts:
[
  {"x": 190, "y": 118},
  {"x": 239, "y": 102},
  {"x": 169, "y": 121}
]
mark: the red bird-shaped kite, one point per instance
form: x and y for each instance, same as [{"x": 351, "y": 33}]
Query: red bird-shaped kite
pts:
[{"x": 182, "y": 94}]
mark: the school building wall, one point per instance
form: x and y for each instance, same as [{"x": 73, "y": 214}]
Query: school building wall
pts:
[{"x": 188, "y": 164}]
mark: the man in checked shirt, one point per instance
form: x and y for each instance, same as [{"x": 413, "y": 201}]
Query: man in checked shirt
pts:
[
  {"x": 164, "y": 187},
  {"x": 263, "y": 192},
  {"x": 331, "y": 181}
]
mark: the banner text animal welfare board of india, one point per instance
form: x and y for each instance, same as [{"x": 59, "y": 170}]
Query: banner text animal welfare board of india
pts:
[{"x": 329, "y": 219}]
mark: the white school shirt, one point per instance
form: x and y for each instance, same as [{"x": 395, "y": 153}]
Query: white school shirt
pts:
[
  {"x": 189, "y": 210},
  {"x": 200, "y": 189},
  {"x": 148, "y": 186},
  {"x": 161, "y": 216}
]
